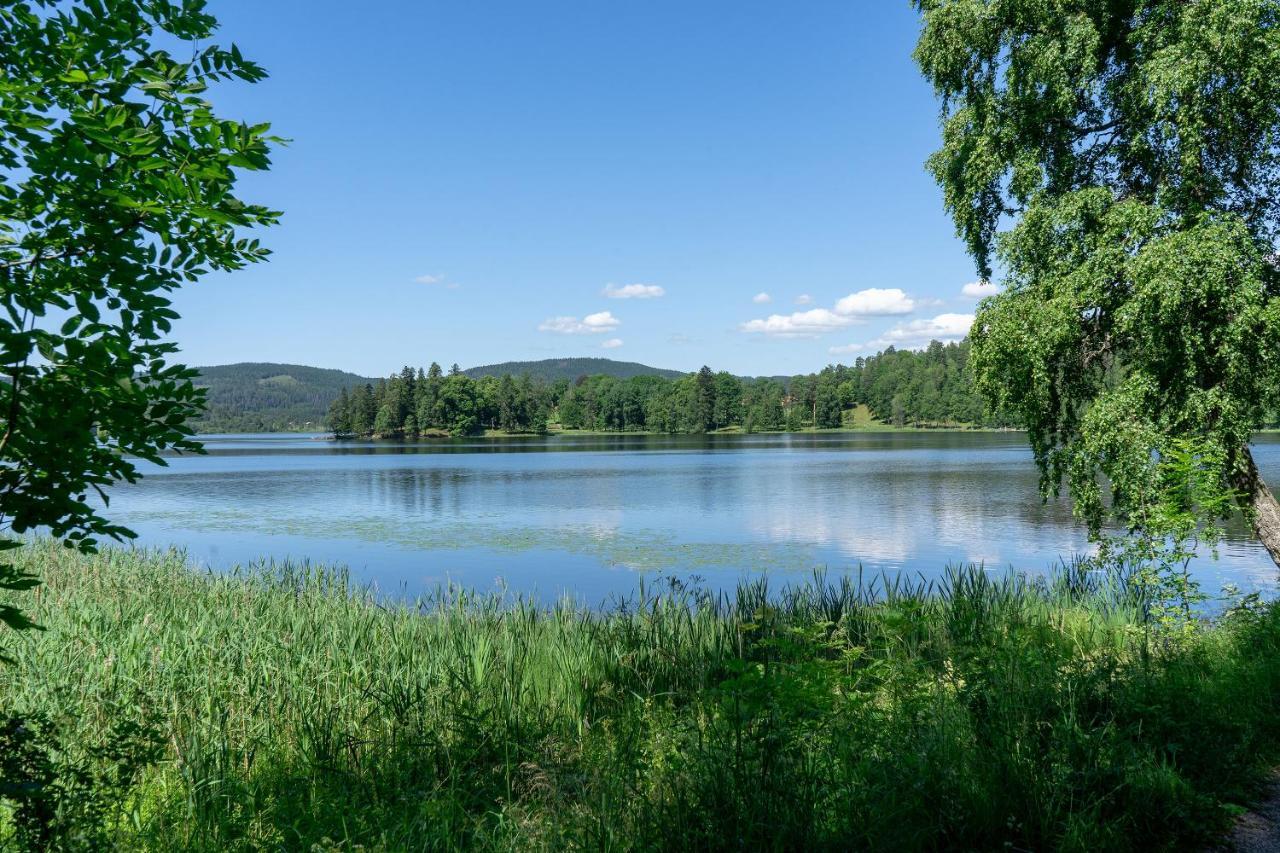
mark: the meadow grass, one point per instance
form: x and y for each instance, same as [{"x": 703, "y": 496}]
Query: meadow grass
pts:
[{"x": 284, "y": 707}]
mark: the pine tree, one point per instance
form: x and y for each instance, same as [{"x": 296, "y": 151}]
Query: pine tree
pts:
[
  {"x": 384, "y": 422},
  {"x": 362, "y": 410},
  {"x": 704, "y": 415},
  {"x": 508, "y": 405},
  {"x": 339, "y": 419}
]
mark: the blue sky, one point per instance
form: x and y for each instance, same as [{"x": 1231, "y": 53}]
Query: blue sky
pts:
[{"x": 482, "y": 182}]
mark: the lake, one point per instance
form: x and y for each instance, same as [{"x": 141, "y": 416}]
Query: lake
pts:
[{"x": 588, "y": 515}]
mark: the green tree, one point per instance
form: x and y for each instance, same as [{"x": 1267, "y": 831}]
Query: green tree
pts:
[
  {"x": 828, "y": 406},
  {"x": 704, "y": 411},
  {"x": 570, "y": 411},
  {"x": 487, "y": 391},
  {"x": 339, "y": 419},
  {"x": 804, "y": 391},
  {"x": 117, "y": 185},
  {"x": 458, "y": 405},
  {"x": 384, "y": 422},
  {"x": 795, "y": 418},
  {"x": 767, "y": 404},
  {"x": 508, "y": 404},
  {"x": 408, "y": 391},
  {"x": 1129, "y": 151},
  {"x": 364, "y": 408},
  {"x": 393, "y": 403},
  {"x": 427, "y": 394},
  {"x": 728, "y": 399},
  {"x": 532, "y": 406}
]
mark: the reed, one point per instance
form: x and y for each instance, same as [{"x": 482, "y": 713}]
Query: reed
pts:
[{"x": 286, "y": 707}]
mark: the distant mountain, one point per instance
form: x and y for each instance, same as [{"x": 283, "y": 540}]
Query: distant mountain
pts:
[
  {"x": 266, "y": 397},
  {"x": 552, "y": 369}
]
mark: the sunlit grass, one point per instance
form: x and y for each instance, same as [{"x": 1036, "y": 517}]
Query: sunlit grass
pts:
[{"x": 278, "y": 707}]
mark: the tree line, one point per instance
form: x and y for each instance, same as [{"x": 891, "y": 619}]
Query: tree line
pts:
[{"x": 899, "y": 387}]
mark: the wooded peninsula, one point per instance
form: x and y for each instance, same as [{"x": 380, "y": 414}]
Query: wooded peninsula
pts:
[{"x": 897, "y": 387}]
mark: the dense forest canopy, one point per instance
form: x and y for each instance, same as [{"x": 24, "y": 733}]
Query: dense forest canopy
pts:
[
  {"x": 896, "y": 387},
  {"x": 900, "y": 387},
  {"x": 268, "y": 397},
  {"x": 275, "y": 397}
]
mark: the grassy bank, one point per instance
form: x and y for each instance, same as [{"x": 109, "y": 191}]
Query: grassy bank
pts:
[{"x": 166, "y": 709}]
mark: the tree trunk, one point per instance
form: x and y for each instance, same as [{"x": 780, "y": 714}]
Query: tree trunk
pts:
[{"x": 1261, "y": 505}]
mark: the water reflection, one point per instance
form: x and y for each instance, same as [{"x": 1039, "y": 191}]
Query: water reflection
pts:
[{"x": 583, "y": 514}]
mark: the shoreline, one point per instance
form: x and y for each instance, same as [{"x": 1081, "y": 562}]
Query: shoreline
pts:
[{"x": 950, "y": 428}]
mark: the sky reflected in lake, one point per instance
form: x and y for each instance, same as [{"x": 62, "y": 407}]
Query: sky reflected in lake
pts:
[{"x": 587, "y": 515}]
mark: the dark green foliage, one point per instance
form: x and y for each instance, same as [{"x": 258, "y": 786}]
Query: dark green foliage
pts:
[
  {"x": 298, "y": 712},
  {"x": 410, "y": 404},
  {"x": 929, "y": 388},
  {"x": 457, "y": 410},
  {"x": 117, "y": 186},
  {"x": 727, "y": 408},
  {"x": 933, "y": 386},
  {"x": 919, "y": 388},
  {"x": 72, "y": 794},
  {"x": 14, "y": 579},
  {"x": 1121, "y": 161},
  {"x": 703, "y": 416},
  {"x": 268, "y": 397},
  {"x": 339, "y": 418},
  {"x": 827, "y": 409}
]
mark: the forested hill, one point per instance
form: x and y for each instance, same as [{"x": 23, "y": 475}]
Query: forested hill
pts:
[
  {"x": 901, "y": 387},
  {"x": 554, "y": 369},
  {"x": 928, "y": 388},
  {"x": 270, "y": 397},
  {"x": 266, "y": 397}
]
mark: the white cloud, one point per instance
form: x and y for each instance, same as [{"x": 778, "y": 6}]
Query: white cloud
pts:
[
  {"x": 804, "y": 299},
  {"x": 436, "y": 280},
  {"x": 592, "y": 324},
  {"x": 849, "y": 311},
  {"x": 612, "y": 343},
  {"x": 979, "y": 289},
  {"x": 562, "y": 325},
  {"x": 762, "y": 298},
  {"x": 633, "y": 291},
  {"x": 916, "y": 334},
  {"x": 876, "y": 301},
  {"x": 602, "y": 320},
  {"x": 801, "y": 324}
]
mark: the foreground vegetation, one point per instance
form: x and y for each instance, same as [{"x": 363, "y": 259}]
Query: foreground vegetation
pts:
[{"x": 281, "y": 707}]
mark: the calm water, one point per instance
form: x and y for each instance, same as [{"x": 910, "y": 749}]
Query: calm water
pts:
[{"x": 587, "y": 515}]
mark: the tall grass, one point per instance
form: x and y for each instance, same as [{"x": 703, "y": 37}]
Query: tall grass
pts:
[{"x": 283, "y": 707}]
